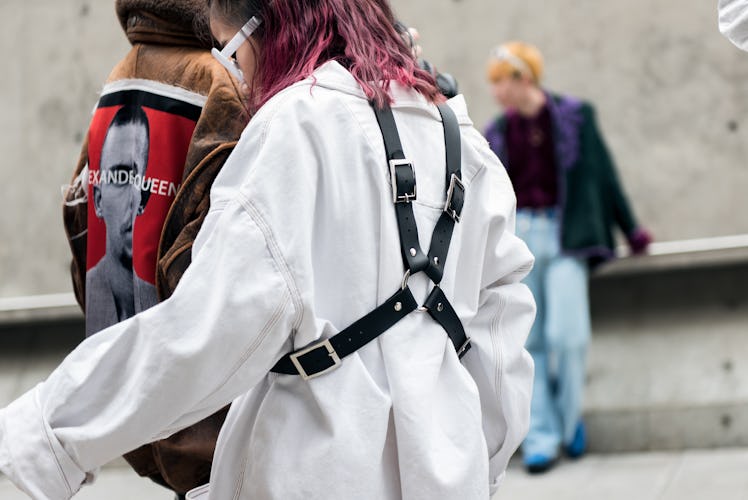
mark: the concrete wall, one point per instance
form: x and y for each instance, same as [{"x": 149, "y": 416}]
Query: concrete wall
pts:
[
  {"x": 668, "y": 364},
  {"x": 670, "y": 93},
  {"x": 58, "y": 53}
]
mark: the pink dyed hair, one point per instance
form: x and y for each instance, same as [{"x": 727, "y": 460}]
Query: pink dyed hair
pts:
[{"x": 298, "y": 36}]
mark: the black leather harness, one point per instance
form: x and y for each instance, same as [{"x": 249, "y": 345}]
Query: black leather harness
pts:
[{"x": 325, "y": 355}]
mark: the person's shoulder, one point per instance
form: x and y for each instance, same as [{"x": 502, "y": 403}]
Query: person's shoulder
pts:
[
  {"x": 587, "y": 113},
  {"x": 495, "y": 125},
  {"x": 574, "y": 108},
  {"x": 478, "y": 155},
  {"x": 568, "y": 102},
  {"x": 96, "y": 270},
  {"x": 287, "y": 109},
  {"x": 306, "y": 104},
  {"x": 587, "y": 109}
]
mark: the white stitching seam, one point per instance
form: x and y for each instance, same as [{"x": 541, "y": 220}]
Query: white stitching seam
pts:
[
  {"x": 291, "y": 290},
  {"x": 277, "y": 314},
  {"x": 496, "y": 341},
  {"x": 277, "y": 256},
  {"x": 51, "y": 448},
  {"x": 240, "y": 480}
]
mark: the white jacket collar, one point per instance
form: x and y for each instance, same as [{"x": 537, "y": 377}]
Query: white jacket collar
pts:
[{"x": 333, "y": 75}]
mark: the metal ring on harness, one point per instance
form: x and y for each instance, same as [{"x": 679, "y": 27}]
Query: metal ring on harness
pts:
[
  {"x": 404, "y": 285},
  {"x": 405, "y": 280}
]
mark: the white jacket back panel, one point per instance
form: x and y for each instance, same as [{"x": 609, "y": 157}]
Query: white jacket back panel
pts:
[{"x": 402, "y": 417}]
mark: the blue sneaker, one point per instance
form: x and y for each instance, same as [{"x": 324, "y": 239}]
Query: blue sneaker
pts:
[
  {"x": 537, "y": 463},
  {"x": 578, "y": 445}
]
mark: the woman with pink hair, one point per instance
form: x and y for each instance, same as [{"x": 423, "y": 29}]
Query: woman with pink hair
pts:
[{"x": 359, "y": 363}]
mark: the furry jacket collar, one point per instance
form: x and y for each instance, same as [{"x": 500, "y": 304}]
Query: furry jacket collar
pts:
[{"x": 182, "y": 17}]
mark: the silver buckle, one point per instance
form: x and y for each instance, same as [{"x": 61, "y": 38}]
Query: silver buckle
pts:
[
  {"x": 454, "y": 182},
  {"x": 330, "y": 352},
  {"x": 407, "y": 197},
  {"x": 463, "y": 348}
]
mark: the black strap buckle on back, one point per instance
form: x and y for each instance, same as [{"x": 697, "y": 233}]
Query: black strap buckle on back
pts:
[{"x": 325, "y": 355}]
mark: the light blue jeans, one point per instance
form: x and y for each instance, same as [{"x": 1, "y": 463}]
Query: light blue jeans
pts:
[{"x": 560, "y": 336}]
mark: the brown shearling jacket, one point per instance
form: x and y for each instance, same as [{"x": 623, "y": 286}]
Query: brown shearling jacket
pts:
[{"x": 171, "y": 46}]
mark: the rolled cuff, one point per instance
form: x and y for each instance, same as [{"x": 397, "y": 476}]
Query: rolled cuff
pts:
[{"x": 31, "y": 456}]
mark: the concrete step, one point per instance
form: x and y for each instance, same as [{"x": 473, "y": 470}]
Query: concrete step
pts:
[{"x": 668, "y": 365}]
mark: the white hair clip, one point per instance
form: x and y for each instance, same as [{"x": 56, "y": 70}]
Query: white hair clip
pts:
[{"x": 502, "y": 54}]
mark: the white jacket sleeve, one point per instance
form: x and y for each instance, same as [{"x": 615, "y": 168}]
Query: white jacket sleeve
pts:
[
  {"x": 733, "y": 21},
  {"x": 499, "y": 364},
  {"x": 230, "y": 319}
]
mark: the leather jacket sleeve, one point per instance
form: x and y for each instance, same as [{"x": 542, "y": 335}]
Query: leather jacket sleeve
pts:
[{"x": 221, "y": 123}]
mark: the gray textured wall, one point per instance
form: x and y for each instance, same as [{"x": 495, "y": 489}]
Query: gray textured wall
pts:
[
  {"x": 58, "y": 53},
  {"x": 670, "y": 92}
]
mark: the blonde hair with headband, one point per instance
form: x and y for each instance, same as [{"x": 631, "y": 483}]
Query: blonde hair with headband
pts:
[{"x": 515, "y": 59}]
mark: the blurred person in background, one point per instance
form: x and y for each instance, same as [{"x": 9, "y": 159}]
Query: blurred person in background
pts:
[
  {"x": 569, "y": 200},
  {"x": 733, "y": 21},
  {"x": 168, "y": 117},
  {"x": 309, "y": 302}
]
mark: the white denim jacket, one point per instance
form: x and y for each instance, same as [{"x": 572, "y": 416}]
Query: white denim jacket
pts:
[{"x": 300, "y": 242}]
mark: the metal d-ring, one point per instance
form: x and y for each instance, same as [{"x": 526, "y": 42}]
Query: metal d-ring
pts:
[
  {"x": 405, "y": 280},
  {"x": 404, "y": 285}
]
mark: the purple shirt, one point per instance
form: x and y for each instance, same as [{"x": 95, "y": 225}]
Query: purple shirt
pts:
[{"x": 531, "y": 159}]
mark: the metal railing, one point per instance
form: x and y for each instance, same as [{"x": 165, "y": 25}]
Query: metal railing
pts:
[{"x": 666, "y": 255}]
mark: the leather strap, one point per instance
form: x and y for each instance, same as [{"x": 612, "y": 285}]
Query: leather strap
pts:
[
  {"x": 441, "y": 310},
  {"x": 452, "y": 141},
  {"x": 326, "y": 355},
  {"x": 403, "y": 179},
  {"x": 455, "y": 199}
]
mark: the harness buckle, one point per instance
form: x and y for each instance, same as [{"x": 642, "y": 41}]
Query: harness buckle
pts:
[
  {"x": 455, "y": 198},
  {"x": 465, "y": 347},
  {"x": 403, "y": 195},
  {"x": 336, "y": 362}
]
